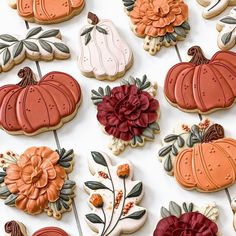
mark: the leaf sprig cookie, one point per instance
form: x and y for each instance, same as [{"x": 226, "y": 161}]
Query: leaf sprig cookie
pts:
[
  {"x": 227, "y": 28},
  {"x": 200, "y": 157},
  {"x": 104, "y": 55},
  {"x": 215, "y": 7},
  {"x": 191, "y": 86},
  {"x": 129, "y": 113},
  {"x": 47, "y": 11},
  {"x": 37, "y": 180},
  {"x": 188, "y": 219},
  {"x": 113, "y": 197},
  {"x": 37, "y": 44},
  {"x": 159, "y": 22},
  {"x": 56, "y": 97}
]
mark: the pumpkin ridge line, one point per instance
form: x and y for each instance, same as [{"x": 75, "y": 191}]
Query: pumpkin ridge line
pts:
[{"x": 44, "y": 10}]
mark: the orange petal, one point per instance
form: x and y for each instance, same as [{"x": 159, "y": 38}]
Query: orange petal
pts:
[
  {"x": 32, "y": 207},
  {"x": 43, "y": 181},
  {"x": 21, "y": 202},
  {"x": 13, "y": 172},
  {"x": 33, "y": 193},
  {"x": 60, "y": 171},
  {"x": 36, "y": 160}
]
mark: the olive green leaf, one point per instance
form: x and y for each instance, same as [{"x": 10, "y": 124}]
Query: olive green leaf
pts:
[
  {"x": 31, "y": 46},
  {"x": 45, "y": 45},
  {"x": 33, "y": 32},
  {"x": 17, "y": 49},
  {"x": 136, "y": 190}
]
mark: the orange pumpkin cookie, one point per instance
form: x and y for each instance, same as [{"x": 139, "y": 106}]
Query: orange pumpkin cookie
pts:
[
  {"x": 200, "y": 157},
  {"x": 47, "y": 11},
  {"x": 159, "y": 22},
  {"x": 191, "y": 86},
  {"x": 37, "y": 180},
  {"x": 56, "y": 97}
]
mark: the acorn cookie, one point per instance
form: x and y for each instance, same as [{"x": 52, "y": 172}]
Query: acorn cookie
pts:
[
  {"x": 159, "y": 22},
  {"x": 188, "y": 219},
  {"x": 104, "y": 55},
  {"x": 37, "y": 44},
  {"x": 47, "y": 11},
  {"x": 128, "y": 113},
  {"x": 56, "y": 97},
  {"x": 191, "y": 86},
  {"x": 37, "y": 180},
  {"x": 114, "y": 197}
]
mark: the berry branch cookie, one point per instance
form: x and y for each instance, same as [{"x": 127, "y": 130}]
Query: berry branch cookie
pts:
[
  {"x": 200, "y": 157},
  {"x": 37, "y": 44},
  {"x": 227, "y": 28},
  {"x": 104, "y": 55},
  {"x": 113, "y": 197},
  {"x": 129, "y": 113},
  {"x": 159, "y": 22},
  {"x": 37, "y": 180}
]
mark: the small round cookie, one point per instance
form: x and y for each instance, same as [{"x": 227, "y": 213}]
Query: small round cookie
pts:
[
  {"x": 215, "y": 7},
  {"x": 47, "y": 11},
  {"x": 104, "y": 55},
  {"x": 227, "y": 31},
  {"x": 14, "y": 228}
]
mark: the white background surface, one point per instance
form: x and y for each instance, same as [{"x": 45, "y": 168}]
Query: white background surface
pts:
[{"x": 83, "y": 134}]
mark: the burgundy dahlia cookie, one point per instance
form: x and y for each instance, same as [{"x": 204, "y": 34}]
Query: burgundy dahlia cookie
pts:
[{"x": 129, "y": 112}]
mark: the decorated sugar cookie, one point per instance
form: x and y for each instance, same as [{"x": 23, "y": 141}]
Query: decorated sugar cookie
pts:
[
  {"x": 200, "y": 157},
  {"x": 50, "y": 231},
  {"x": 14, "y": 228},
  {"x": 56, "y": 97},
  {"x": 37, "y": 44},
  {"x": 37, "y": 180},
  {"x": 233, "y": 205},
  {"x": 114, "y": 197},
  {"x": 191, "y": 86},
  {"x": 47, "y": 11},
  {"x": 227, "y": 28},
  {"x": 104, "y": 55},
  {"x": 128, "y": 113},
  {"x": 215, "y": 7},
  {"x": 159, "y": 22},
  {"x": 188, "y": 219}
]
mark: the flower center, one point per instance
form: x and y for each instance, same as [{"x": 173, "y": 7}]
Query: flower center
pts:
[{"x": 36, "y": 175}]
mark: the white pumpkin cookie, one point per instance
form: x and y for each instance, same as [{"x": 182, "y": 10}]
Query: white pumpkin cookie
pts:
[
  {"x": 215, "y": 7},
  {"x": 37, "y": 44},
  {"x": 104, "y": 55},
  {"x": 227, "y": 28},
  {"x": 113, "y": 197}
]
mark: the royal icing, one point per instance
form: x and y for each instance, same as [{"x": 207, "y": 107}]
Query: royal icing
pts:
[
  {"x": 159, "y": 22},
  {"x": 215, "y": 7},
  {"x": 14, "y": 228},
  {"x": 188, "y": 219},
  {"x": 113, "y": 197},
  {"x": 37, "y": 180},
  {"x": 56, "y": 97},
  {"x": 47, "y": 11},
  {"x": 233, "y": 206},
  {"x": 227, "y": 28},
  {"x": 200, "y": 157},
  {"x": 50, "y": 231},
  {"x": 36, "y": 44},
  {"x": 129, "y": 113},
  {"x": 103, "y": 53},
  {"x": 191, "y": 86}
]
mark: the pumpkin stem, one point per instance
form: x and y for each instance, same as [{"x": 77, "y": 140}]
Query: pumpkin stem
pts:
[
  {"x": 92, "y": 18},
  {"x": 198, "y": 56},
  {"x": 27, "y": 77},
  {"x": 214, "y": 132}
]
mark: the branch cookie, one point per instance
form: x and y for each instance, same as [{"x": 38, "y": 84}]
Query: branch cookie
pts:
[
  {"x": 227, "y": 28},
  {"x": 37, "y": 44},
  {"x": 47, "y": 11},
  {"x": 215, "y": 7},
  {"x": 56, "y": 97},
  {"x": 191, "y": 86},
  {"x": 37, "y": 180},
  {"x": 159, "y": 22},
  {"x": 200, "y": 157},
  {"x": 104, "y": 55},
  {"x": 129, "y": 113},
  {"x": 188, "y": 219},
  {"x": 113, "y": 197}
]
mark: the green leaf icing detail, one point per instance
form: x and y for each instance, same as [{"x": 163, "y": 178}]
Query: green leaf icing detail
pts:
[
  {"x": 93, "y": 218},
  {"x": 175, "y": 209},
  {"x": 136, "y": 191},
  {"x": 33, "y": 32},
  {"x": 94, "y": 185},
  {"x": 98, "y": 158}
]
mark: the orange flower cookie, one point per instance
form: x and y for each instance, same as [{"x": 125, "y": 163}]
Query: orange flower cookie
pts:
[
  {"x": 47, "y": 11},
  {"x": 200, "y": 157},
  {"x": 37, "y": 181},
  {"x": 159, "y": 22}
]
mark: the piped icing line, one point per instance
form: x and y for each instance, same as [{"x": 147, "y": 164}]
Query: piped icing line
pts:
[
  {"x": 103, "y": 53},
  {"x": 36, "y": 44},
  {"x": 114, "y": 197}
]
